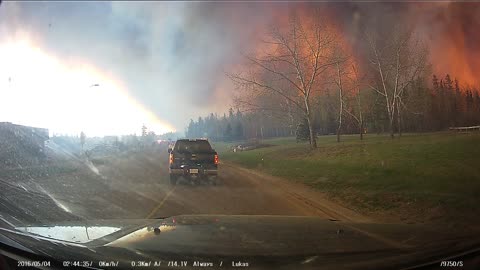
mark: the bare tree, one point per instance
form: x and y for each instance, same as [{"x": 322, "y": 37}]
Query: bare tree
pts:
[
  {"x": 396, "y": 60},
  {"x": 292, "y": 69},
  {"x": 356, "y": 82},
  {"x": 339, "y": 83},
  {"x": 347, "y": 82},
  {"x": 399, "y": 117},
  {"x": 341, "y": 71}
]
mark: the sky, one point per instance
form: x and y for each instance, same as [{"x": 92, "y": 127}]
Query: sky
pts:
[{"x": 107, "y": 68}]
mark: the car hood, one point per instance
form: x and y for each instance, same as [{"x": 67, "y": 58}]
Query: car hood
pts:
[{"x": 259, "y": 241}]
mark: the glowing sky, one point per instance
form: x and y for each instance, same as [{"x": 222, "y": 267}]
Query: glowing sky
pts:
[
  {"x": 43, "y": 91},
  {"x": 158, "y": 64}
]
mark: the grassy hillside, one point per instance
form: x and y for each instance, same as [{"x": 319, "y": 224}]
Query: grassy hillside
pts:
[{"x": 432, "y": 176}]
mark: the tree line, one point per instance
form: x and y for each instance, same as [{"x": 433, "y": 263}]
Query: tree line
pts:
[
  {"x": 237, "y": 125},
  {"x": 434, "y": 107}
]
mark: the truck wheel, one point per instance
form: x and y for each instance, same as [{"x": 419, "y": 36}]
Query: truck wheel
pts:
[{"x": 173, "y": 179}]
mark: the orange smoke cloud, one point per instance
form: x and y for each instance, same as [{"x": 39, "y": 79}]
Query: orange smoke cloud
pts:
[
  {"x": 451, "y": 33},
  {"x": 453, "y": 58}
]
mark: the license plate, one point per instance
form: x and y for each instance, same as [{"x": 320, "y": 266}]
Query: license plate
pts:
[{"x": 193, "y": 170}]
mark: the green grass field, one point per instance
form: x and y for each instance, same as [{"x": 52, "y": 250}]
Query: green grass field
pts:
[{"x": 429, "y": 176}]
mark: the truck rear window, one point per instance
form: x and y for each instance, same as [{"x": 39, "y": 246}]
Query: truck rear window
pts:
[{"x": 193, "y": 146}]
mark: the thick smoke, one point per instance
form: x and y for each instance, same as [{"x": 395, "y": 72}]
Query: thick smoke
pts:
[
  {"x": 455, "y": 41},
  {"x": 172, "y": 56},
  {"x": 448, "y": 28}
]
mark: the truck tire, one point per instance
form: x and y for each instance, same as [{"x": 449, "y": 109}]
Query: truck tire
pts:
[{"x": 173, "y": 179}]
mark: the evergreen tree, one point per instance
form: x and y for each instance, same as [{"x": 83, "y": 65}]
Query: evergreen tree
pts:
[
  {"x": 456, "y": 107},
  {"x": 238, "y": 134},
  {"x": 201, "y": 128},
  {"x": 470, "y": 107},
  {"x": 191, "y": 129},
  {"x": 435, "y": 84},
  {"x": 450, "y": 107},
  {"x": 228, "y": 132},
  {"x": 477, "y": 105}
]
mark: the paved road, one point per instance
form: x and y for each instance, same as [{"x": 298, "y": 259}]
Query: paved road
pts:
[{"x": 135, "y": 185}]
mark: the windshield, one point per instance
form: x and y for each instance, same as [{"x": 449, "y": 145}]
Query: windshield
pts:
[{"x": 363, "y": 112}]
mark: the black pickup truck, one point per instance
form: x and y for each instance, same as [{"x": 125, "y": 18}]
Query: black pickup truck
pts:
[{"x": 194, "y": 159}]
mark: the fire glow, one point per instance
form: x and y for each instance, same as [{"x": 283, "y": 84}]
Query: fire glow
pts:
[{"x": 40, "y": 90}]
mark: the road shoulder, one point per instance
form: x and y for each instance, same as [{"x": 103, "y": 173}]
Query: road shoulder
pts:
[{"x": 314, "y": 202}]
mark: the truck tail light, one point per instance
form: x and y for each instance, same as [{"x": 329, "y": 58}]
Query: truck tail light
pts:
[
  {"x": 171, "y": 159},
  {"x": 216, "y": 159}
]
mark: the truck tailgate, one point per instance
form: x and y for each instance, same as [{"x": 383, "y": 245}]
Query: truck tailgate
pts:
[{"x": 193, "y": 158}]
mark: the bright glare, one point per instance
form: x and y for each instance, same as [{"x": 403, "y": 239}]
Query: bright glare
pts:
[{"x": 39, "y": 90}]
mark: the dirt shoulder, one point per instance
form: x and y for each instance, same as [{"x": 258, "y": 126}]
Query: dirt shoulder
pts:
[
  {"x": 311, "y": 201},
  {"x": 315, "y": 202}
]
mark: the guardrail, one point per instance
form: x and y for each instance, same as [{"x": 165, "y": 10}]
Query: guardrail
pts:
[{"x": 472, "y": 128}]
